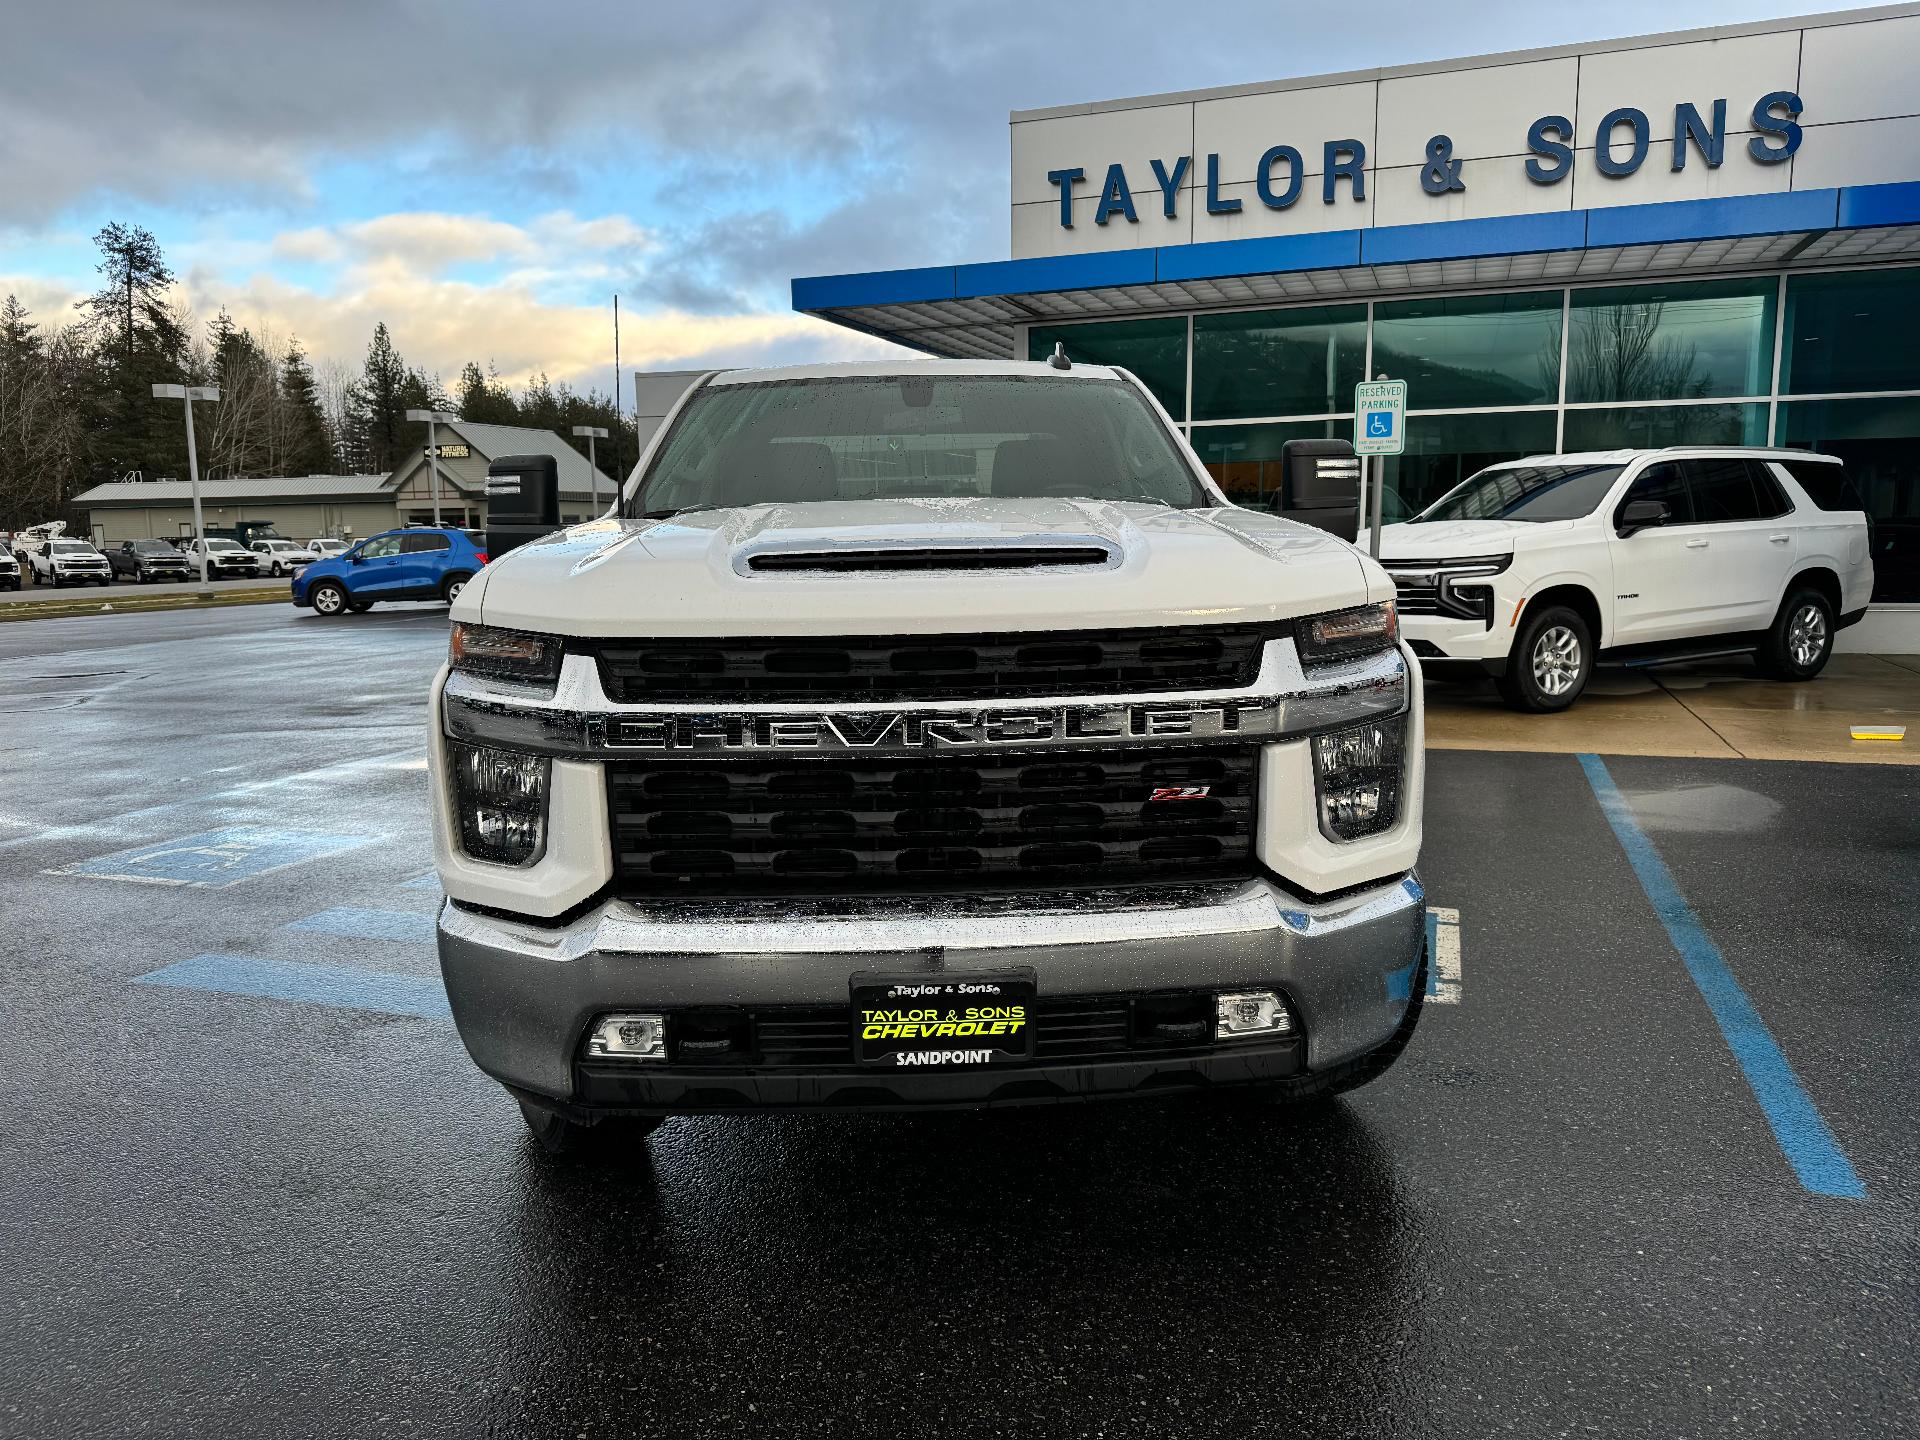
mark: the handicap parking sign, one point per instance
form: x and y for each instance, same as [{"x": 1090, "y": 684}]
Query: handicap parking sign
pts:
[{"x": 1379, "y": 417}]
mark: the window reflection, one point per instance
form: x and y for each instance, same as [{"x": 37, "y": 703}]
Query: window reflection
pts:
[
  {"x": 1687, "y": 341},
  {"x": 1471, "y": 349},
  {"x": 1278, "y": 362},
  {"x": 1154, "y": 349}
]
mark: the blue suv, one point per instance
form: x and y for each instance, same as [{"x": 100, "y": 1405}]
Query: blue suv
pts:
[{"x": 418, "y": 563}]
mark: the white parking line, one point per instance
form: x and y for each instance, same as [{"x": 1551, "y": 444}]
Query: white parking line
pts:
[{"x": 1443, "y": 926}]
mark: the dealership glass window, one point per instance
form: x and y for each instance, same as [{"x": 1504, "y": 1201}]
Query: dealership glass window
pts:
[
  {"x": 1644, "y": 427},
  {"x": 1278, "y": 362},
  {"x": 1880, "y": 442},
  {"x": 1155, "y": 350},
  {"x": 1855, "y": 330},
  {"x": 1675, "y": 341},
  {"x": 1471, "y": 349},
  {"x": 1245, "y": 459},
  {"x": 1443, "y": 450}
]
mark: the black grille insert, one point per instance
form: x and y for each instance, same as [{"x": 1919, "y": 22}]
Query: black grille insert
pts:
[
  {"x": 902, "y": 667},
  {"x": 782, "y": 825},
  {"x": 1002, "y": 557}
]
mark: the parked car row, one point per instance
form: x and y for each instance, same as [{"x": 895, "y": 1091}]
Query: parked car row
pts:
[{"x": 60, "y": 561}]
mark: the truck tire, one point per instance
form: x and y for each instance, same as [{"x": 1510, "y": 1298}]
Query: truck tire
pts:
[
  {"x": 1800, "y": 641},
  {"x": 1551, "y": 662},
  {"x": 1349, "y": 1074},
  {"x": 328, "y": 599},
  {"x": 557, "y": 1135}
]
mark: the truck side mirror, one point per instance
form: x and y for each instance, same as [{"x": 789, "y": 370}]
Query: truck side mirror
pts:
[
  {"x": 1638, "y": 515},
  {"x": 523, "y": 501},
  {"x": 1320, "y": 486}
]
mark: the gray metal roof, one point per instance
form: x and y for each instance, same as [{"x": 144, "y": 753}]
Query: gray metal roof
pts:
[
  {"x": 137, "y": 493},
  {"x": 493, "y": 441}
]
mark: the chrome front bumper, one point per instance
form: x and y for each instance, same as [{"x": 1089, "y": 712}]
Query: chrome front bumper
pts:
[{"x": 524, "y": 995}]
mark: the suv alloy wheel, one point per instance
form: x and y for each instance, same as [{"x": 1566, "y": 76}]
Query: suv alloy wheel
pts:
[
  {"x": 1800, "y": 642},
  {"x": 328, "y": 598},
  {"x": 1550, "y": 662}
]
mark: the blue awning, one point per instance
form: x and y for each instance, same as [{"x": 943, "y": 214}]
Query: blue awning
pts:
[{"x": 970, "y": 310}]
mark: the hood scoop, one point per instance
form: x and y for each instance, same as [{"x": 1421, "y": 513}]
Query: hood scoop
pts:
[{"x": 896, "y": 559}]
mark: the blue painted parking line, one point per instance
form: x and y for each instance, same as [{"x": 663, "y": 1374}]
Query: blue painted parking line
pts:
[
  {"x": 215, "y": 859},
  {"x": 428, "y": 881},
  {"x": 337, "y": 985},
  {"x": 1803, "y": 1136},
  {"x": 357, "y": 924}
]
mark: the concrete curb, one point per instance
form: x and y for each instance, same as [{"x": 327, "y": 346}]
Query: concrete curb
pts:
[{"x": 137, "y": 604}]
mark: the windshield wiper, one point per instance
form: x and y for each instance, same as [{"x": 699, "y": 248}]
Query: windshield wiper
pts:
[{"x": 679, "y": 510}]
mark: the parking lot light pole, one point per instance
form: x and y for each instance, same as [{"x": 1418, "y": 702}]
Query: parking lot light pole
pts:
[
  {"x": 592, "y": 433},
  {"x": 433, "y": 417},
  {"x": 189, "y": 394}
]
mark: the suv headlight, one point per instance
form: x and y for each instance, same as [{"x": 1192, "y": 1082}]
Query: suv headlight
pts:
[
  {"x": 1342, "y": 634},
  {"x": 504, "y": 654},
  {"x": 1356, "y": 778},
  {"x": 500, "y": 800}
]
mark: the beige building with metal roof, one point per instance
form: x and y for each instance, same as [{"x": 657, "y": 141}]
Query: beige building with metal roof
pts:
[{"x": 347, "y": 506}]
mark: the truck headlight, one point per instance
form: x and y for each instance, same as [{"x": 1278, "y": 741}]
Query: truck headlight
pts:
[
  {"x": 1341, "y": 634},
  {"x": 504, "y": 654},
  {"x": 500, "y": 798},
  {"x": 1356, "y": 776}
]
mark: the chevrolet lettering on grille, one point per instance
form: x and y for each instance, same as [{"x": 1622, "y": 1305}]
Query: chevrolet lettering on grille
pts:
[{"x": 904, "y": 730}]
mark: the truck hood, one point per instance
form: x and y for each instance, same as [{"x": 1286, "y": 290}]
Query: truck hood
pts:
[
  {"x": 837, "y": 567},
  {"x": 1449, "y": 539}
]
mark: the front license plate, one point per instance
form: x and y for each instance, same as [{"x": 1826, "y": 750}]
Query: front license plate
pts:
[{"x": 953, "y": 1021}]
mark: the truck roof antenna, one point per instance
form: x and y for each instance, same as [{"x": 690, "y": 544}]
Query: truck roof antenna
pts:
[{"x": 1059, "y": 359}]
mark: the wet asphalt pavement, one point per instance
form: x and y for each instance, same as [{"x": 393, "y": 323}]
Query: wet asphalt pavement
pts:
[{"x": 1563, "y": 1212}]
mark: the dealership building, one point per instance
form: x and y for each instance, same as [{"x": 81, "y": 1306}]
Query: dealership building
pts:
[
  {"x": 347, "y": 507},
  {"x": 1704, "y": 237}
]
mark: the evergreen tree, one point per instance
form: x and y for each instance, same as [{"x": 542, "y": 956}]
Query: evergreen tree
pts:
[
  {"x": 309, "y": 447},
  {"x": 379, "y": 403},
  {"x": 482, "y": 399},
  {"x": 142, "y": 342}
]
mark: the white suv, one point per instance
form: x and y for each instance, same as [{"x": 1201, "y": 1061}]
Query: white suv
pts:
[
  {"x": 1536, "y": 569},
  {"x": 281, "y": 557}
]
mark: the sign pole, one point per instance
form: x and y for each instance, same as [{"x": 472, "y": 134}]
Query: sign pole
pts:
[
  {"x": 1379, "y": 492},
  {"x": 1379, "y": 429}
]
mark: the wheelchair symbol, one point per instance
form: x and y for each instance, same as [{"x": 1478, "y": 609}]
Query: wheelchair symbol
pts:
[{"x": 1380, "y": 425}]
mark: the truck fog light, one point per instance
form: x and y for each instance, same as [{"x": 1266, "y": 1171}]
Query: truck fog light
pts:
[
  {"x": 1356, "y": 773},
  {"x": 1243, "y": 1014},
  {"x": 628, "y": 1037},
  {"x": 501, "y": 800}
]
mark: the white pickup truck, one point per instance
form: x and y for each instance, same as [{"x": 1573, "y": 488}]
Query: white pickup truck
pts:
[{"x": 926, "y": 734}]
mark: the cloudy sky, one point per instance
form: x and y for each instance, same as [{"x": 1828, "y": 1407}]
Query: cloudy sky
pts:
[{"x": 485, "y": 176}]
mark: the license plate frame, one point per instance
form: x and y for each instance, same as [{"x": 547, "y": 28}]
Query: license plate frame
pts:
[{"x": 998, "y": 1032}]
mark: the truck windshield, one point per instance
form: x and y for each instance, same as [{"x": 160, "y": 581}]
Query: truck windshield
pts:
[
  {"x": 1525, "y": 492},
  {"x": 916, "y": 437}
]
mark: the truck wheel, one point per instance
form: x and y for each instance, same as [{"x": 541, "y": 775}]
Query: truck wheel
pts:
[
  {"x": 451, "y": 587},
  {"x": 1551, "y": 662},
  {"x": 328, "y": 598},
  {"x": 1349, "y": 1074},
  {"x": 1800, "y": 642},
  {"x": 557, "y": 1135}
]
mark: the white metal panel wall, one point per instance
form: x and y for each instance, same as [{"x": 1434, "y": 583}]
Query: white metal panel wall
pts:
[{"x": 1855, "y": 72}]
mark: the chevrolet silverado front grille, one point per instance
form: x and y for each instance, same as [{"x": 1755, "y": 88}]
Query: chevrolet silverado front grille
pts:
[
  {"x": 1016, "y": 820},
  {"x": 910, "y": 667}
]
